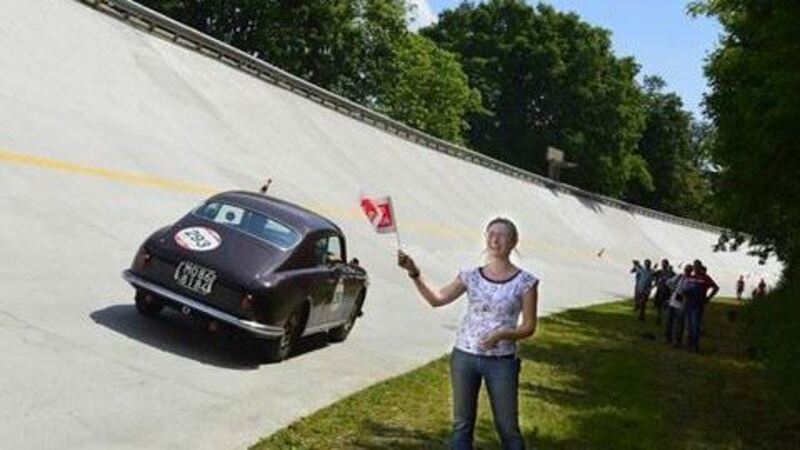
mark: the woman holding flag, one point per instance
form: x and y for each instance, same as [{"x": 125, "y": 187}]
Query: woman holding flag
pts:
[{"x": 485, "y": 348}]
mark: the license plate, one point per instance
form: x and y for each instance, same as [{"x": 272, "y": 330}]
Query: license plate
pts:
[{"x": 195, "y": 277}]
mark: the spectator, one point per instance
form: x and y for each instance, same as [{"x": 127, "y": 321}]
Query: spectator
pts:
[
  {"x": 675, "y": 313},
  {"x": 663, "y": 292},
  {"x": 644, "y": 284},
  {"x": 762, "y": 288},
  {"x": 702, "y": 273},
  {"x": 498, "y": 293},
  {"x": 696, "y": 295},
  {"x": 739, "y": 287},
  {"x": 635, "y": 269}
]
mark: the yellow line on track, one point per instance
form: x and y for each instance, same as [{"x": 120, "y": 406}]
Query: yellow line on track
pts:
[
  {"x": 109, "y": 174},
  {"x": 435, "y": 229}
]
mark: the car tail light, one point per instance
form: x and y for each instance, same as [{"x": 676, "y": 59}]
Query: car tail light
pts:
[{"x": 247, "y": 303}]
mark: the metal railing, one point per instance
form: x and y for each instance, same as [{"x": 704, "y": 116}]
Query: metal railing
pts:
[{"x": 164, "y": 27}]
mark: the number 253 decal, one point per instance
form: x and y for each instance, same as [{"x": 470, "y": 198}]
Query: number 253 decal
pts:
[{"x": 199, "y": 239}]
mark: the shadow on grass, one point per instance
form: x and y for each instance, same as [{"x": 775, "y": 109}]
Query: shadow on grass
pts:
[
  {"x": 381, "y": 436},
  {"x": 623, "y": 387}
]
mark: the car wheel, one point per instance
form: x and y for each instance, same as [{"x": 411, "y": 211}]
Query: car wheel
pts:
[
  {"x": 276, "y": 350},
  {"x": 340, "y": 333},
  {"x": 148, "y": 304}
]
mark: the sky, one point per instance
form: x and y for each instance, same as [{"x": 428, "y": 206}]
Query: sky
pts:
[{"x": 663, "y": 39}]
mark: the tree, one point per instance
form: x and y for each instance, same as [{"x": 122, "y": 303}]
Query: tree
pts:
[
  {"x": 428, "y": 90},
  {"x": 548, "y": 79},
  {"x": 755, "y": 78},
  {"x": 360, "y": 49},
  {"x": 340, "y": 45},
  {"x": 670, "y": 143}
]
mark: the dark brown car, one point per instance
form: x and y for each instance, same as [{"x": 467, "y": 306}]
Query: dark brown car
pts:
[{"x": 262, "y": 265}]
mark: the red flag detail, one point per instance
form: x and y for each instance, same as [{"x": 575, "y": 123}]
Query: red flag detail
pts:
[{"x": 380, "y": 213}]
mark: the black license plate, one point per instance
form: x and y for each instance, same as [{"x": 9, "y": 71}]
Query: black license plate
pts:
[{"x": 195, "y": 277}]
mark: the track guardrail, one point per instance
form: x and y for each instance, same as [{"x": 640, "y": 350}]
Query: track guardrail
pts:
[{"x": 160, "y": 25}]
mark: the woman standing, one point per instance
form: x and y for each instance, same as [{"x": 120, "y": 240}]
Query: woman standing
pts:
[{"x": 485, "y": 347}]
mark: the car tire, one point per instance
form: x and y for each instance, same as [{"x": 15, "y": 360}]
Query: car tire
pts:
[
  {"x": 148, "y": 304},
  {"x": 277, "y": 350},
  {"x": 340, "y": 333}
]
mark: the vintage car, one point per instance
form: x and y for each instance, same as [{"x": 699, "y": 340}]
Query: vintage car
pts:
[{"x": 255, "y": 263}]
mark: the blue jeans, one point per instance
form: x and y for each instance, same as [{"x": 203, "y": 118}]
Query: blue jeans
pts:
[
  {"x": 467, "y": 371},
  {"x": 675, "y": 322},
  {"x": 694, "y": 317}
]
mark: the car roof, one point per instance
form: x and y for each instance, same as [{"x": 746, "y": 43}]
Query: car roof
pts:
[{"x": 297, "y": 217}]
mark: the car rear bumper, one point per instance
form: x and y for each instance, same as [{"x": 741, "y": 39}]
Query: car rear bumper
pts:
[{"x": 250, "y": 326}]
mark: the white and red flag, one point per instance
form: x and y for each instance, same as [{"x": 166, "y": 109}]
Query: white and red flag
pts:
[{"x": 380, "y": 213}]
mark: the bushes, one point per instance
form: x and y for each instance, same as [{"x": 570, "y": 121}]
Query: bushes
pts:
[{"x": 774, "y": 335}]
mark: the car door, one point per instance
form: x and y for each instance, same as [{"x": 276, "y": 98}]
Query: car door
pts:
[
  {"x": 352, "y": 280},
  {"x": 336, "y": 267},
  {"x": 328, "y": 284},
  {"x": 343, "y": 295},
  {"x": 310, "y": 280}
]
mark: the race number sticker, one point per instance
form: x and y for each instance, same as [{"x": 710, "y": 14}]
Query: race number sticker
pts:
[{"x": 198, "y": 239}]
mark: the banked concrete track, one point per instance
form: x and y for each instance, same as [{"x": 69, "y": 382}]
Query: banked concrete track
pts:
[{"x": 108, "y": 132}]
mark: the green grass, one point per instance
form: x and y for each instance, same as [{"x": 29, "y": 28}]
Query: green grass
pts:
[
  {"x": 774, "y": 337},
  {"x": 592, "y": 378}
]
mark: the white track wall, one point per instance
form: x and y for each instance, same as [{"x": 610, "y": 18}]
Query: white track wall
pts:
[{"x": 90, "y": 105}]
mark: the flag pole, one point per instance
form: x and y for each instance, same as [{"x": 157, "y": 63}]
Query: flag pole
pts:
[
  {"x": 396, "y": 230},
  {"x": 397, "y": 234}
]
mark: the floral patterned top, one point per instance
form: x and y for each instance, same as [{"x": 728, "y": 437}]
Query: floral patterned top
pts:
[{"x": 492, "y": 305}]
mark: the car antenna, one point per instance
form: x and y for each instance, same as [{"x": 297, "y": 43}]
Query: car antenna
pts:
[{"x": 265, "y": 187}]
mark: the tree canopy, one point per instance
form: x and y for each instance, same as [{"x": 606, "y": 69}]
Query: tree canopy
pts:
[
  {"x": 673, "y": 146},
  {"x": 360, "y": 49},
  {"x": 549, "y": 79},
  {"x": 755, "y": 79},
  {"x": 502, "y": 77}
]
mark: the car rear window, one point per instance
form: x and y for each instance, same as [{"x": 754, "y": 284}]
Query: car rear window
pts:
[{"x": 255, "y": 224}]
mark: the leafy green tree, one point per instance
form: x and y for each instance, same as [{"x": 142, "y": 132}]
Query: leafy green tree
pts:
[
  {"x": 669, "y": 144},
  {"x": 428, "y": 90},
  {"x": 336, "y": 44},
  {"x": 548, "y": 79},
  {"x": 360, "y": 49},
  {"x": 755, "y": 80}
]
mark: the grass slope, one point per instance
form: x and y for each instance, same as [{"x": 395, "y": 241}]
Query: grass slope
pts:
[{"x": 592, "y": 378}]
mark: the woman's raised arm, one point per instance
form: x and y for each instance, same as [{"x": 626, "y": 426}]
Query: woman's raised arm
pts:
[{"x": 447, "y": 294}]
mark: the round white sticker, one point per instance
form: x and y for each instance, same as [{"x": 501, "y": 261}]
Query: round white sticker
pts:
[{"x": 199, "y": 239}]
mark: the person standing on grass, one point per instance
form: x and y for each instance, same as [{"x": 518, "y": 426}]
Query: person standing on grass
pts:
[
  {"x": 739, "y": 287},
  {"x": 644, "y": 284},
  {"x": 635, "y": 269},
  {"x": 675, "y": 313},
  {"x": 701, "y": 272},
  {"x": 761, "y": 291},
  {"x": 663, "y": 292},
  {"x": 696, "y": 296},
  {"x": 485, "y": 346}
]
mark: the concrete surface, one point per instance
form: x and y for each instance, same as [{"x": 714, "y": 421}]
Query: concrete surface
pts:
[{"x": 107, "y": 133}]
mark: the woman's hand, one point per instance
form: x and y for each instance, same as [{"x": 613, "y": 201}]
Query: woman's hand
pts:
[
  {"x": 490, "y": 341},
  {"x": 407, "y": 263}
]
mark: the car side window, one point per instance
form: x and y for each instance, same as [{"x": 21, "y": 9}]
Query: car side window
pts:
[
  {"x": 320, "y": 250},
  {"x": 334, "y": 253},
  {"x": 327, "y": 250}
]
